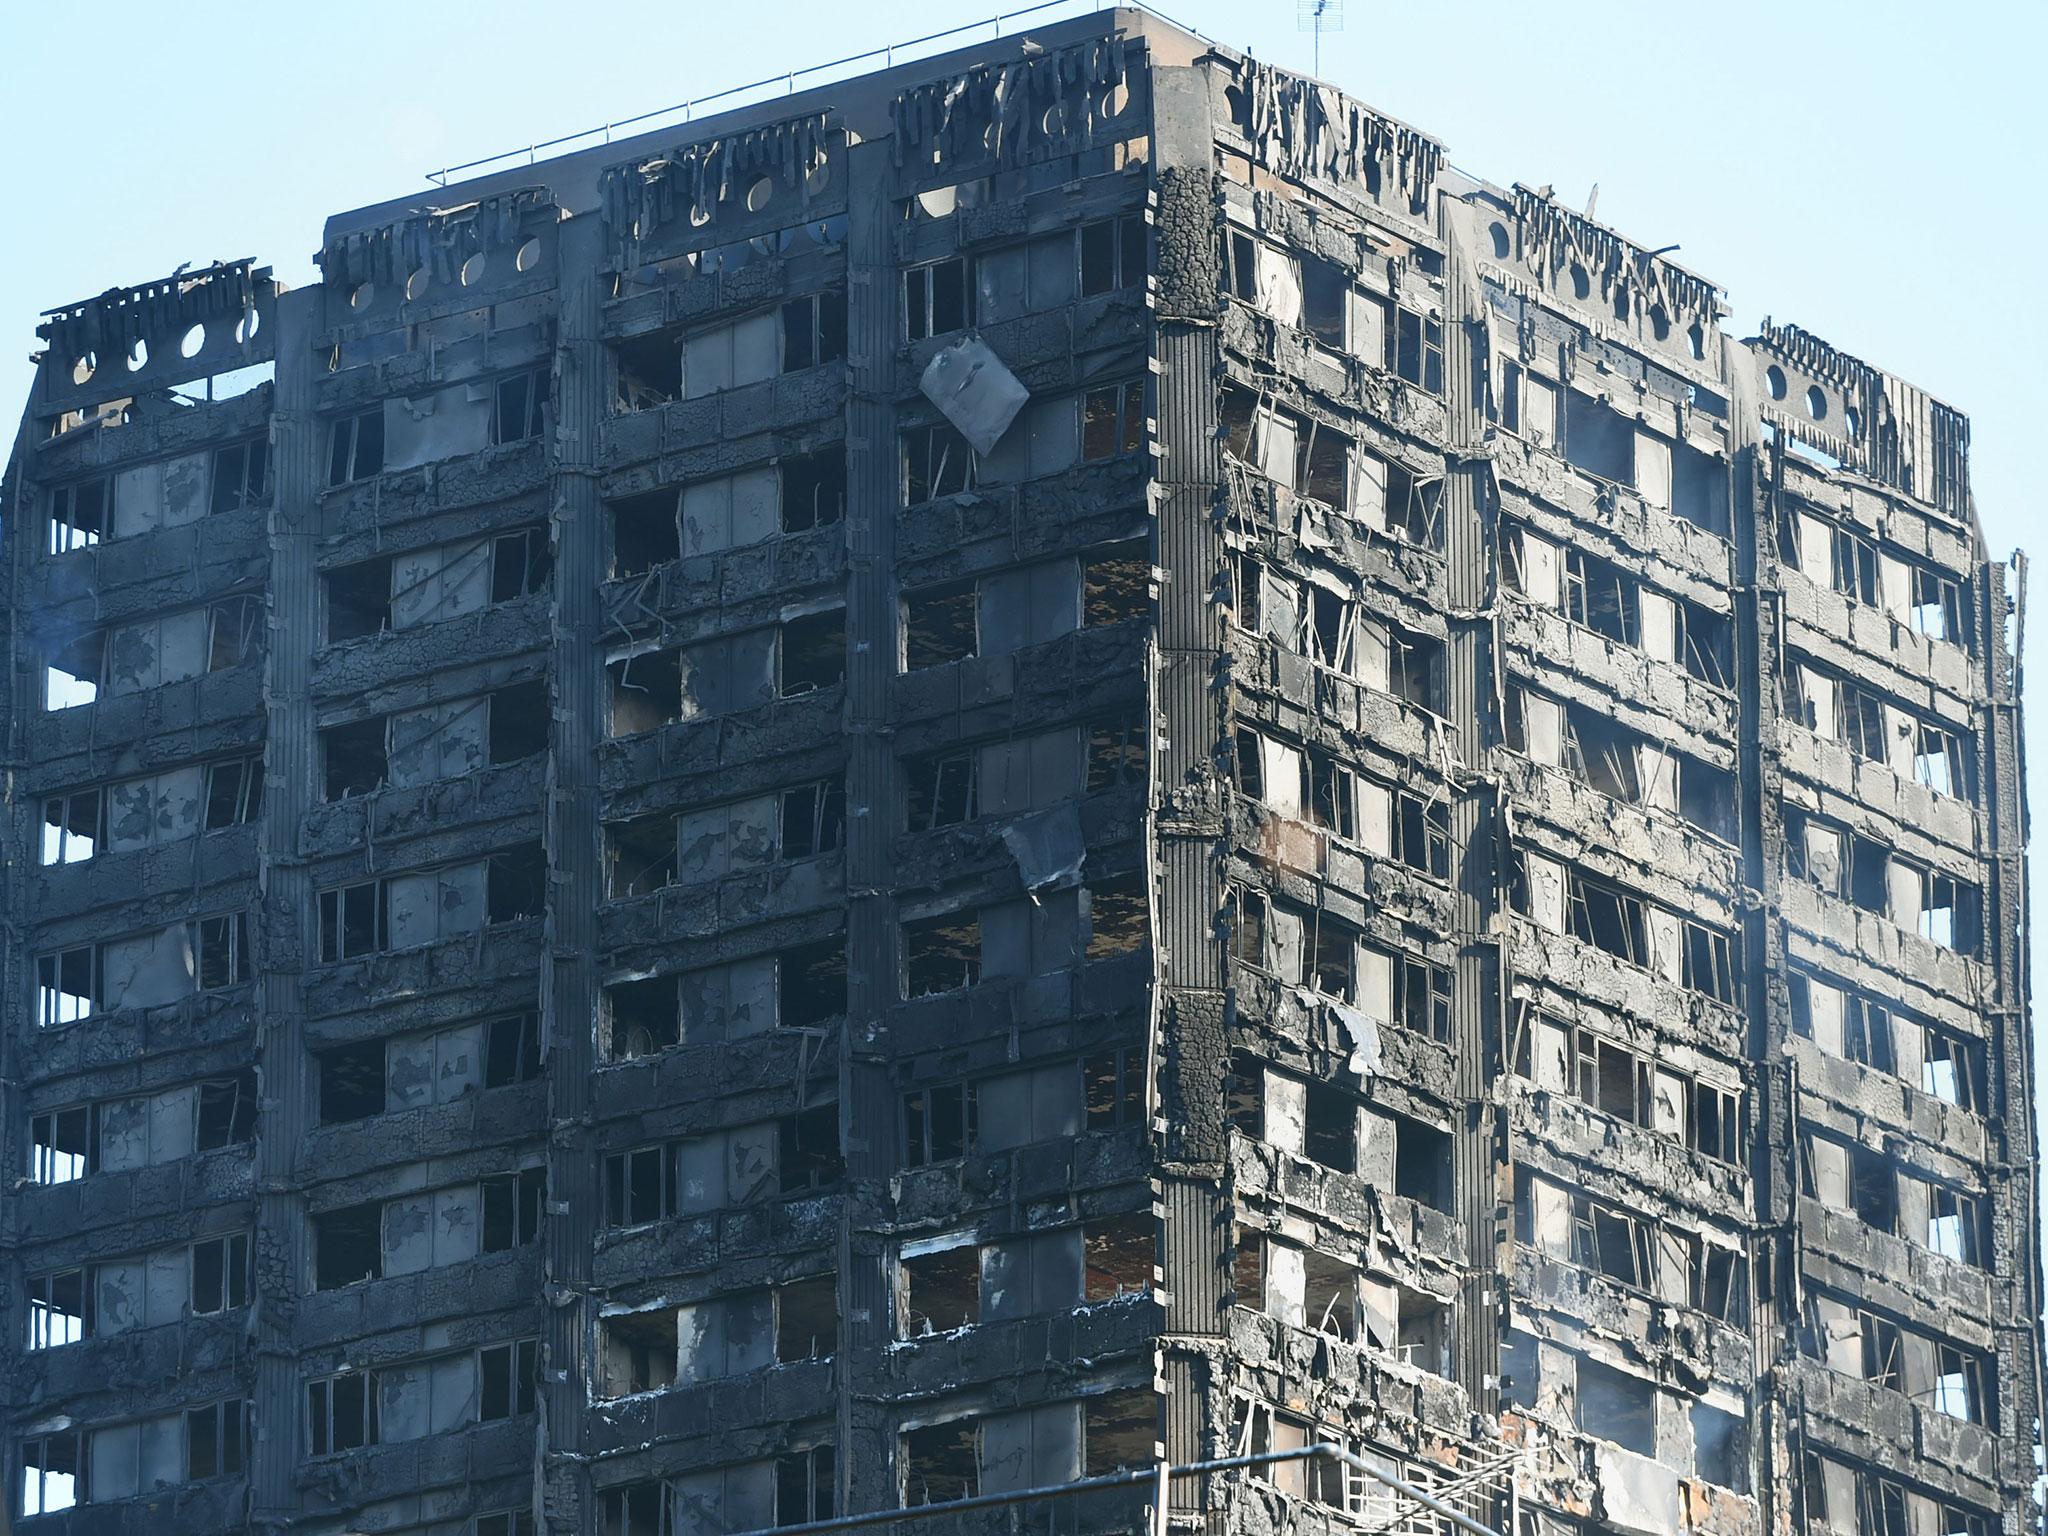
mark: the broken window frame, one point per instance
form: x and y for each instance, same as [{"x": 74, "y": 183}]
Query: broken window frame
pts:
[
  {"x": 227, "y": 1270},
  {"x": 53, "y": 1135},
  {"x": 74, "y": 526},
  {"x": 930, "y": 1111},
  {"x": 241, "y": 475},
  {"x": 926, "y": 311},
  {"x": 518, "y": 406},
  {"x": 966, "y": 946},
  {"x": 1962, "y": 1387},
  {"x": 55, "y": 1472},
  {"x": 510, "y": 1206},
  {"x": 74, "y": 672},
  {"x": 1110, "y": 254},
  {"x": 217, "y": 1439},
  {"x": 220, "y": 951},
  {"x": 823, "y": 472},
  {"x": 331, "y": 1428},
  {"x": 522, "y": 564},
  {"x": 234, "y": 792},
  {"x": 1422, "y": 834},
  {"x": 915, "y": 611},
  {"x": 1113, "y": 421},
  {"x": 61, "y": 813},
  {"x": 1422, "y": 997},
  {"x": 814, "y": 332},
  {"x": 336, "y": 924},
  {"x": 355, "y": 447},
  {"x": 812, "y": 819},
  {"x": 215, "y": 1127},
  {"x": 1941, "y": 760},
  {"x": 59, "y": 1307},
  {"x": 941, "y": 789},
  {"x": 791, "y": 639},
  {"x": 233, "y": 626},
  {"x": 507, "y": 1380},
  {"x": 60, "y": 975},
  {"x": 1600, "y": 596},
  {"x": 1940, "y": 608},
  {"x": 1415, "y": 348},
  {"x": 937, "y": 462}
]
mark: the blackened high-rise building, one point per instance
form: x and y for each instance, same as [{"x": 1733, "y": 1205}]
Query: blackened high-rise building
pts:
[{"x": 1046, "y": 760}]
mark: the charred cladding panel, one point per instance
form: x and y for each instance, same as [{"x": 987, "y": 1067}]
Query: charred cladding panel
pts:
[{"x": 1056, "y": 758}]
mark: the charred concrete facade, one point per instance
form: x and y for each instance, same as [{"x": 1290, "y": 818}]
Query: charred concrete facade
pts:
[{"x": 611, "y": 928}]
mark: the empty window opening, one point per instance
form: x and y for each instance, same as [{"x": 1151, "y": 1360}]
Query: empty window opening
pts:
[
  {"x": 78, "y": 515},
  {"x": 1112, "y": 254},
  {"x": 642, "y": 1017},
  {"x": 937, "y": 461},
  {"x": 508, "y": 1380},
  {"x": 813, "y": 652},
  {"x": 1422, "y": 1164},
  {"x": 1113, "y": 421},
  {"x": 941, "y": 953},
  {"x": 511, "y": 1049},
  {"x": 1119, "y": 917},
  {"x": 220, "y": 1274},
  {"x": 645, "y": 532},
  {"x": 813, "y": 330},
  {"x": 352, "y": 1082},
  {"x": 807, "y": 1148},
  {"x": 226, "y": 1114},
  {"x": 519, "y": 719},
  {"x": 1418, "y": 349},
  {"x": 1614, "y": 1405},
  {"x": 938, "y": 626},
  {"x": 810, "y": 984},
  {"x": 348, "y": 1246},
  {"x": 637, "y": 1186},
  {"x": 241, "y": 475},
  {"x": 515, "y": 884},
  {"x": 511, "y": 1209},
  {"x": 74, "y": 826},
  {"x": 1599, "y": 439},
  {"x": 74, "y": 672},
  {"x": 941, "y": 790},
  {"x": 341, "y": 1413},
  {"x": 646, "y": 691},
  {"x": 640, "y": 855},
  {"x": 940, "y": 1463},
  {"x": 940, "y": 1291},
  {"x": 813, "y": 489},
  {"x": 216, "y": 1440},
  {"x": 351, "y": 921},
  {"x": 1113, "y": 1087},
  {"x": 639, "y": 1351},
  {"x": 59, "y": 1309},
  {"x": 1119, "y": 1430},
  {"x": 355, "y": 447},
  {"x": 358, "y": 600},
  {"x": 521, "y": 563},
  {"x": 814, "y": 819},
  {"x": 647, "y": 371},
  {"x": 1116, "y": 585},
  {"x": 354, "y": 759},
  {"x": 807, "y": 1320},
  {"x": 62, "y": 1145},
  {"x": 1118, "y": 1255},
  {"x": 517, "y": 406},
  {"x": 935, "y": 298},
  {"x": 1330, "y": 1128},
  {"x": 67, "y": 985}
]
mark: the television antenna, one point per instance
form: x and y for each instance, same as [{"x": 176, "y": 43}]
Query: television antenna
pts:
[{"x": 1320, "y": 16}]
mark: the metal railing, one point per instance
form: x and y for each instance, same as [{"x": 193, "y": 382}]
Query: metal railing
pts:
[{"x": 889, "y": 55}]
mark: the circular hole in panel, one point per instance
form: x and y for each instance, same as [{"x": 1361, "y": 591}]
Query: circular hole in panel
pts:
[
  {"x": 416, "y": 285},
  {"x": 1113, "y": 102},
  {"x": 247, "y": 327},
  {"x": 1581, "y": 284},
  {"x": 818, "y": 176},
  {"x": 1053, "y": 122},
  {"x": 1501, "y": 245},
  {"x": 938, "y": 202},
  {"x": 83, "y": 369},
  {"x": 361, "y": 295},
  {"x": 473, "y": 269},
  {"x": 699, "y": 217},
  {"x": 1774, "y": 381},
  {"x": 1816, "y": 403},
  {"x": 760, "y": 195},
  {"x": 1852, "y": 421},
  {"x": 762, "y": 245},
  {"x": 138, "y": 355},
  {"x": 828, "y": 231},
  {"x": 193, "y": 339},
  {"x": 1696, "y": 339},
  {"x": 528, "y": 257},
  {"x": 1660, "y": 323},
  {"x": 1621, "y": 303}
]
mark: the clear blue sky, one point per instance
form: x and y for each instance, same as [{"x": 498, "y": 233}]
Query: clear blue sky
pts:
[{"x": 1865, "y": 170}]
